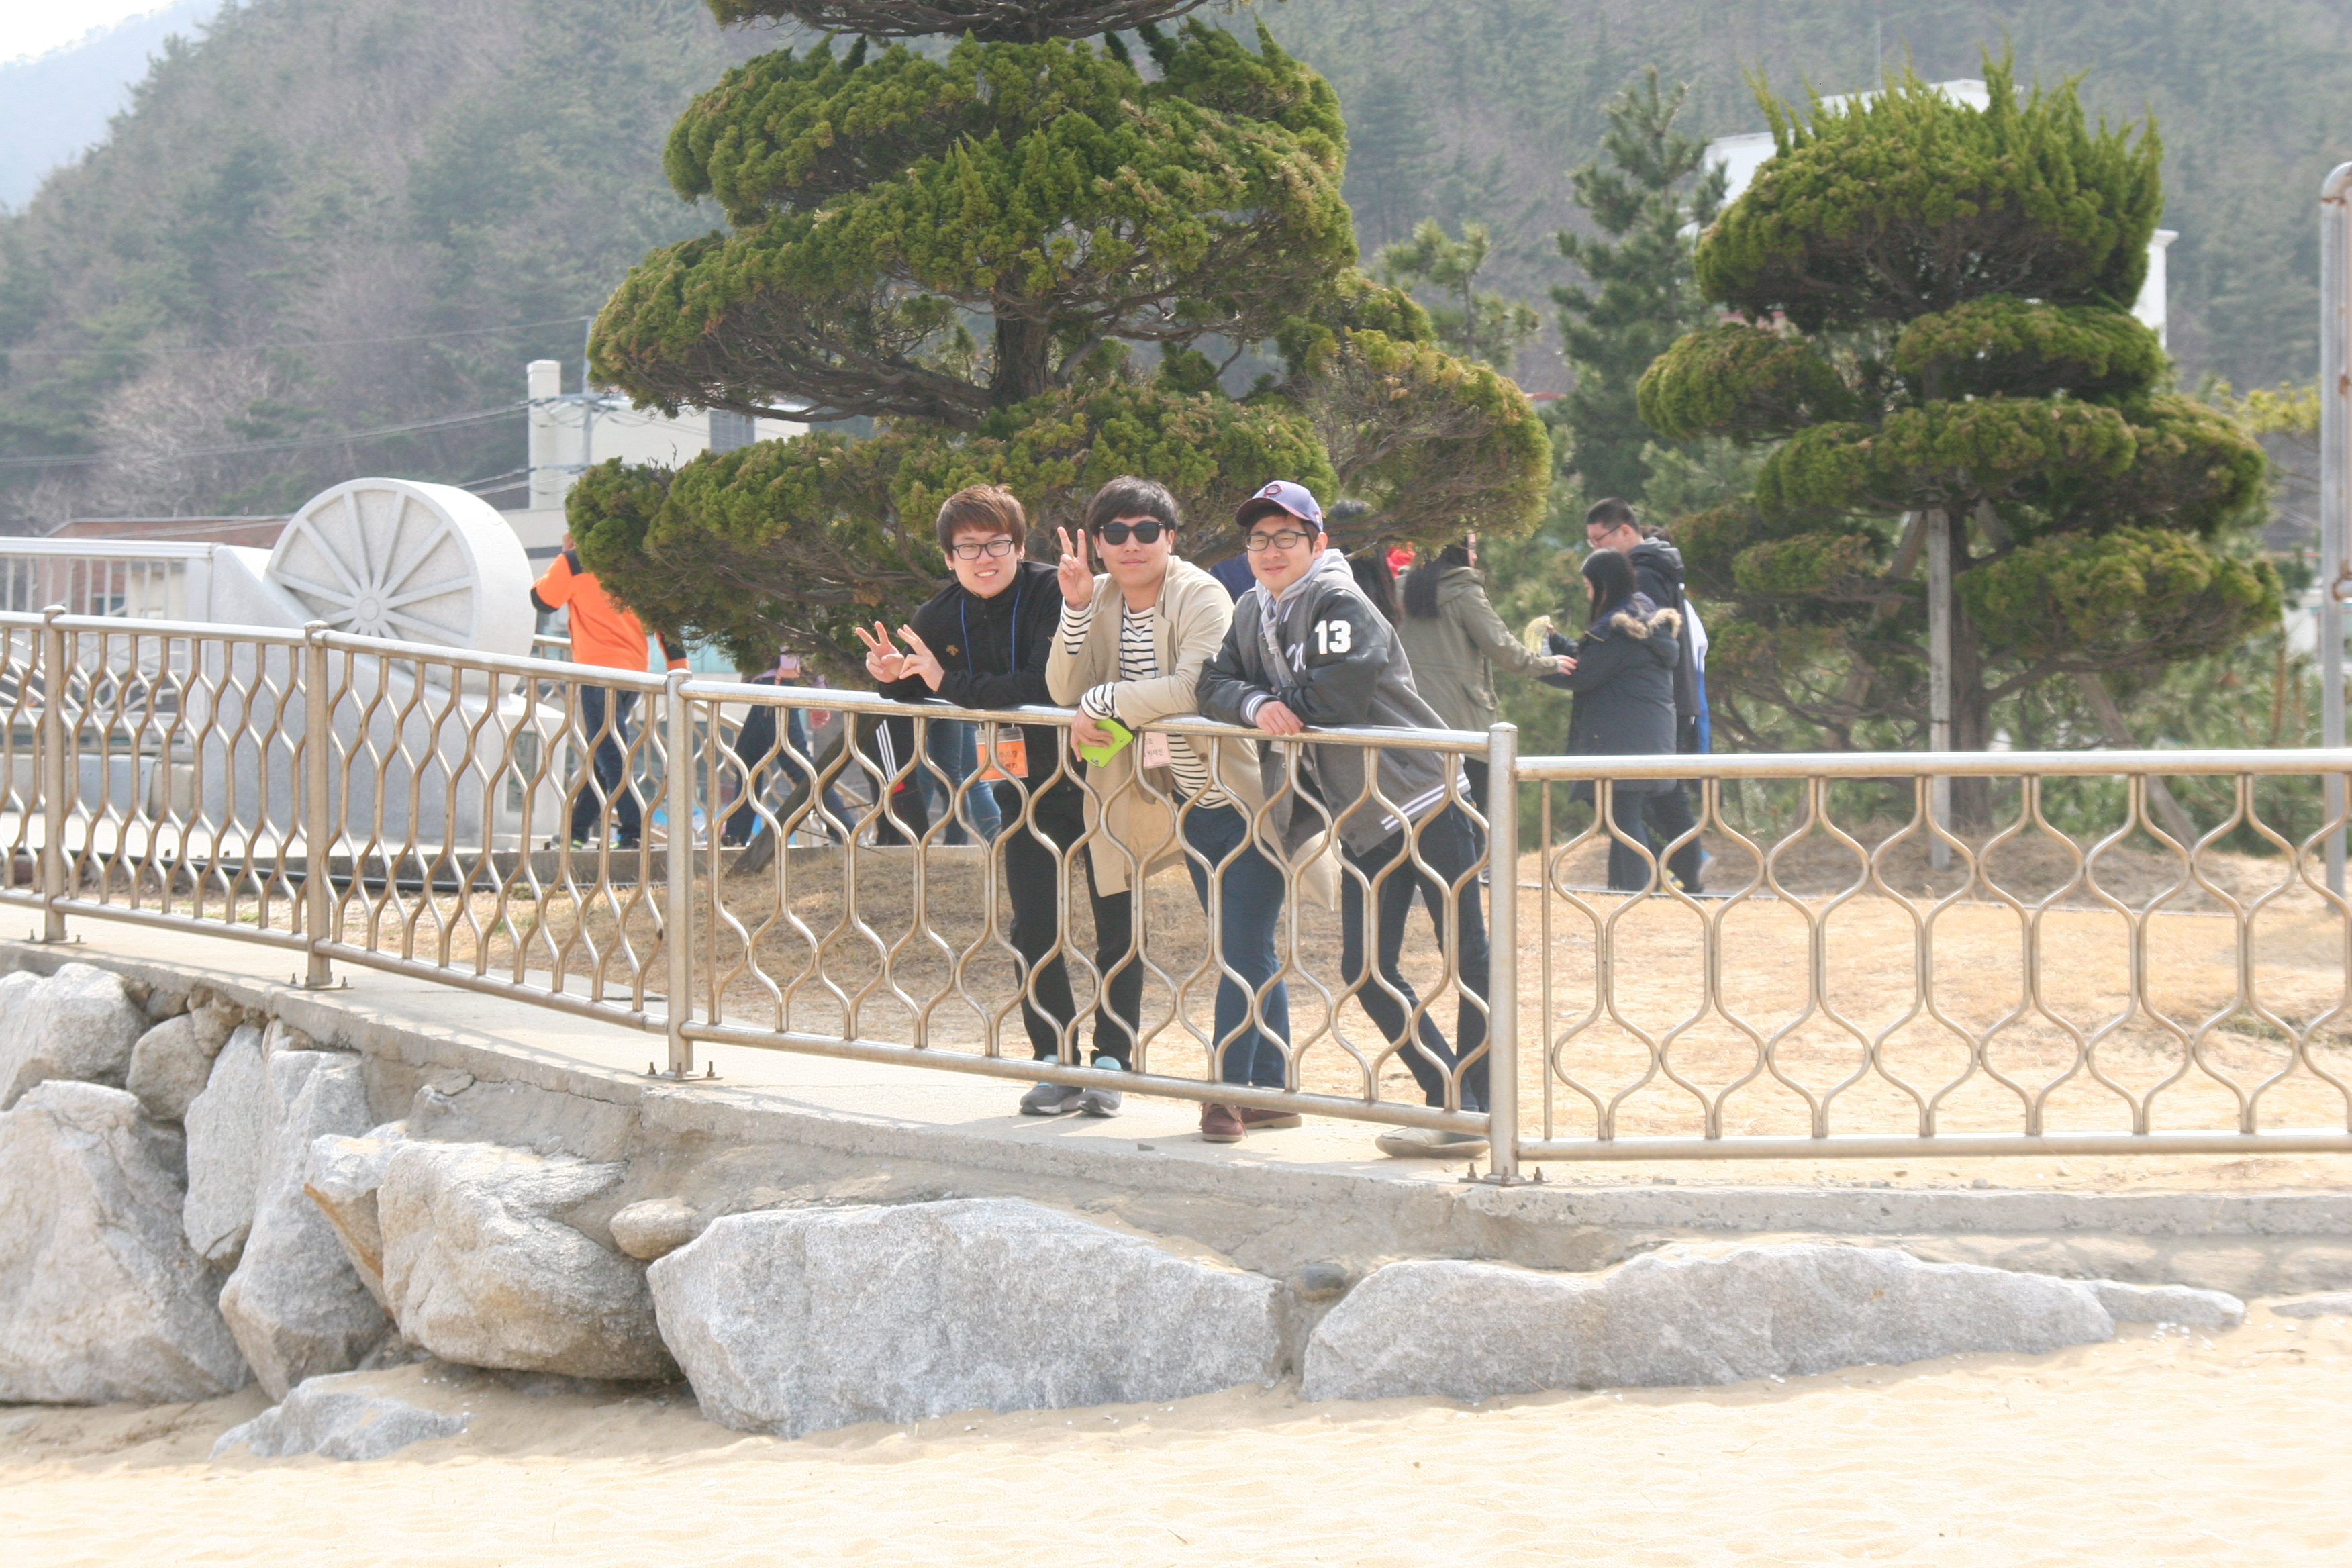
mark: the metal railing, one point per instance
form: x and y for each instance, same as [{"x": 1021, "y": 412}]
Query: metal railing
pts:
[
  {"x": 134, "y": 579},
  {"x": 2064, "y": 969}
]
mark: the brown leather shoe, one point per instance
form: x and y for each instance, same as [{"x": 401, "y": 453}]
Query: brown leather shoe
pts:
[
  {"x": 1257, "y": 1120},
  {"x": 1220, "y": 1124}
]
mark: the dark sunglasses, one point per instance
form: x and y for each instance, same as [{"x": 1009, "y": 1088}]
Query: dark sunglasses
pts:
[{"x": 1117, "y": 532}]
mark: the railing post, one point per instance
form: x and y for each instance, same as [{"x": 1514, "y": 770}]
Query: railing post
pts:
[
  {"x": 318, "y": 810},
  {"x": 52, "y": 742},
  {"x": 677, "y": 860},
  {"x": 1503, "y": 952}
]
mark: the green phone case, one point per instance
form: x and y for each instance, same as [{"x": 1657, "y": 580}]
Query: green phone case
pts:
[{"x": 1119, "y": 737}]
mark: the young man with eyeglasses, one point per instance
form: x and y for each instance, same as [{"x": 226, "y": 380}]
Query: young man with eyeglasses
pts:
[
  {"x": 1130, "y": 650},
  {"x": 1306, "y": 647},
  {"x": 982, "y": 642}
]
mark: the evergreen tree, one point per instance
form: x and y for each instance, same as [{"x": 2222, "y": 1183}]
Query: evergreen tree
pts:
[
  {"x": 1935, "y": 327},
  {"x": 1391, "y": 151},
  {"x": 967, "y": 249},
  {"x": 1476, "y": 324},
  {"x": 1645, "y": 198}
]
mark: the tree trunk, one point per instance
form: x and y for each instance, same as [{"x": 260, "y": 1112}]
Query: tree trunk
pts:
[
  {"x": 1971, "y": 709},
  {"x": 1022, "y": 371},
  {"x": 2111, "y": 720}
]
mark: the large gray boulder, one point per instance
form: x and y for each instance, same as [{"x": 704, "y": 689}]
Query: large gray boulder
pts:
[
  {"x": 102, "y": 1298},
  {"x": 796, "y": 1321},
  {"x": 296, "y": 1305},
  {"x": 2183, "y": 1306},
  {"x": 478, "y": 1268},
  {"x": 75, "y": 1025},
  {"x": 172, "y": 1061},
  {"x": 341, "y": 1178},
  {"x": 338, "y": 1417},
  {"x": 228, "y": 1125},
  {"x": 1467, "y": 1331}
]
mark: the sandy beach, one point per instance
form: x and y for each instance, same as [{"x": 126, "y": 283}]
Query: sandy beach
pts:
[{"x": 2164, "y": 1447}]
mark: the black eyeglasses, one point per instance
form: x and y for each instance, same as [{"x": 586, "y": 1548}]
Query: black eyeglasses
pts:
[
  {"x": 1289, "y": 538},
  {"x": 1000, "y": 545},
  {"x": 1117, "y": 532}
]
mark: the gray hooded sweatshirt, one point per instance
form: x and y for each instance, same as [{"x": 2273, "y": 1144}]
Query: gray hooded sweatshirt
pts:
[{"x": 1327, "y": 654}]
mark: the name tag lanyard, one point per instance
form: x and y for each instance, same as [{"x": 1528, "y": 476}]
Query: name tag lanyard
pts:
[{"x": 1012, "y": 759}]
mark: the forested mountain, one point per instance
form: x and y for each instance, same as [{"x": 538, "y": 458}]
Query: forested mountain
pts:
[
  {"x": 55, "y": 104},
  {"x": 303, "y": 226},
  {"x": 254, "y": 256},
  {"x": 1478, "y": 107}
]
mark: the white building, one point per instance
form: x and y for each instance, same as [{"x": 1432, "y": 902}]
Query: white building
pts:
[
  {"x": 569, "y": 433},
  {"x": 1740, "y": 156}
]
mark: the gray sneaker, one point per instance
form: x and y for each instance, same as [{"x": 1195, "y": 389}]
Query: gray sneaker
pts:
[
  {"x": 1100, "y": 1101},
  {"x": 1428, "y": 1143},
  {"x": 1051, "y": 1099}
]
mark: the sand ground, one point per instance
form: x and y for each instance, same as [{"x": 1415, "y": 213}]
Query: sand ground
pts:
[{"x": 2162, "y": 1447}]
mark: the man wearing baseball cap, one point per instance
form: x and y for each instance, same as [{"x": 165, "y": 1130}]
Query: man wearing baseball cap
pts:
[{"x": 1306, "y": 647}]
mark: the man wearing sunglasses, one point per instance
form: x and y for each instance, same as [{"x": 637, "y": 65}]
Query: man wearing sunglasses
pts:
[
  {"x": 1306, "y": 647},
  {"x": 1129, "y": 651}
]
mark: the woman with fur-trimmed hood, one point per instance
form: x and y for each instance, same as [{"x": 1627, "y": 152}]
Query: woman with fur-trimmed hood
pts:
[{"x": 1622, "y": 672}]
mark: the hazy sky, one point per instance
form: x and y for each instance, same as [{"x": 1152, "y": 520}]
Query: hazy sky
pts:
[{"x": 37, "y": 26}]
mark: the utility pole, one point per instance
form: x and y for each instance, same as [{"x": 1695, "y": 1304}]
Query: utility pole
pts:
[
  {"x": 1939, "y": 675},
  {"x": 2335, "y": 477}
]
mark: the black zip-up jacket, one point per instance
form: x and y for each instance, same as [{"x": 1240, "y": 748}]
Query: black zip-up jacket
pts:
[
  {"x": 1658, "y": 572},
  {"x": 1624, "y": 683},
  {"x": 990, "y": 662}
]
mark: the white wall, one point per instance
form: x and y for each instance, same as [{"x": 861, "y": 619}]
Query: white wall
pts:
[{"x": 569, "y": 433}]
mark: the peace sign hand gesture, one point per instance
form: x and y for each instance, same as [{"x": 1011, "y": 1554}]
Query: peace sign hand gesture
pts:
[
  {"x": 1077, "y": 578},
  {"x": 884, "y": 662},
  {"x": 923, "y": 661}
]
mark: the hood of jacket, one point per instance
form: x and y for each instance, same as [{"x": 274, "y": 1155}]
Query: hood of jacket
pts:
[
  {"x": 1453, "y": 581},
  {"x": 1638, "y": 619},
  {"x": 1282, "y": 618},
  {"x": 1658, "y": 553}
]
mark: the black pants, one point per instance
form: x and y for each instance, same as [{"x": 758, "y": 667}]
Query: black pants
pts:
[
  {"x": 1668, "y": 812},
  {"x": 755, "y": 751},
  {"x": 1476, "y": 773},
  {"x": 1451, "y": 844},
  {"x": 605, "y": 730},
  {"x": 890, "y": 744},
  {"x": 1034, "y": 858}
]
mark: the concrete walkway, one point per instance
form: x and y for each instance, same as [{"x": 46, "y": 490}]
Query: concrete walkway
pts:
[{"x": 505, "y": 1071}]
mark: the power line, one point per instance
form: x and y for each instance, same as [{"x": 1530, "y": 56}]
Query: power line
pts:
[
  {"x": 283, "y": 443},
  {"x": 304, "y": 343}
]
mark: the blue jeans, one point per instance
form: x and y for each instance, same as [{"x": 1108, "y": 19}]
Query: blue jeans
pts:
[
  {"x": 756, "y": 751},
  {"x": 950, "y": 745},
  {"x": 1249, "y": 902},
  {"x": 603, "y": 797}
]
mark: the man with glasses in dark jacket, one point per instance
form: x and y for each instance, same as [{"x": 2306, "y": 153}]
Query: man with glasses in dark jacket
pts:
[
  {"x": 983, "y": 641},
  {"x": 1306, "y": 647}
]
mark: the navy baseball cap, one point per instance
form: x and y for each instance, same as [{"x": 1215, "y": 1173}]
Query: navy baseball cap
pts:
[{"x": 1297, "y": 501}]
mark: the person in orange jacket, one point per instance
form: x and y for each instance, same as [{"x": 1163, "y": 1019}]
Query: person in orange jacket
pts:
[{"x": 603, "y": 633}]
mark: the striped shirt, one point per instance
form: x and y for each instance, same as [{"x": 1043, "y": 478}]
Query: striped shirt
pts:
[{"x": 1138, "y": 660}]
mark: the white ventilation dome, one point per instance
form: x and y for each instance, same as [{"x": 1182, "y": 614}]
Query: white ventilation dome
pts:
[{"x": 414, "y": 563}]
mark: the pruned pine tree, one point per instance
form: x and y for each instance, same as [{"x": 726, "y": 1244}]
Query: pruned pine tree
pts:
[
  {"x": 1648, "y": 193},
  {"x": 988, "y": 21},
  {"x": 1934, "y": 324},
  {"x": 1011, "y": 260},
  {"x": 1476, "y": 324}
]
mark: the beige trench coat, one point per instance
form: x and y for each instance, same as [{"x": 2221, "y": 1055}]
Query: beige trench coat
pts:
[{"x": 1131, "y": 810}]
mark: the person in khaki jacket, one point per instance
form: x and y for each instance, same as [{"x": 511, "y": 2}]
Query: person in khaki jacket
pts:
[
  {"x": 1456, "y": 642},
  {"x": 1131, "y": 648}
]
